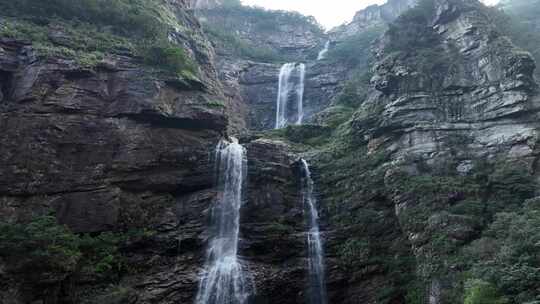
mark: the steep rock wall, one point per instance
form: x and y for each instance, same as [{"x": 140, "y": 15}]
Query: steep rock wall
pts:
[
  {"x": 370, "y": 17},
  {"x": 122, "y": 147},
  {"x": 274, "y": 38}
]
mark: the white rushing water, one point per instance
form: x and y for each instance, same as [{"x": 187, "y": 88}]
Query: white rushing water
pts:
[
  {"x": 324, "y": 51},
  {"x": 223, "y": 280},
  {"x": 317, "y": 285},
  {"x": 290, "y": 87}
]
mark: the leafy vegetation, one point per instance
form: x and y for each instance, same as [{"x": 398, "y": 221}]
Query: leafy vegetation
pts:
[
  {"x": 414, "y": 42},
  {"x": 240, "y": 47},
  {"x": 355, "y": 51},
  {"x": 353, "y": 253},
  {"x": 124, "y": 16},
  {"x": 263, "y": 20},
  {"x": 43, "y": 245},
  {"x": 46, "y": 244},
  {"x": 81, "y": 42},
  {"x": 506, "y": 258},
  {"x": 87, "y": 30},
  {"x": 480, "y": 292},
  {"x": 168, "y": 56},
  {"x": 231, "y": 27},
  {"x": 518, "y": 19},
  {"x": 411, "y": 30}
]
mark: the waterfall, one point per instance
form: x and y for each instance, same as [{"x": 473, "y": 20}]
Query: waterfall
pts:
[
  {"x": 300, "y": 93},
  {"x": 291, "y": 84},
  {"x": 317, "y": 286},
  {"x": 324, "y": 51},
  {"x": 223, "y": 281}
]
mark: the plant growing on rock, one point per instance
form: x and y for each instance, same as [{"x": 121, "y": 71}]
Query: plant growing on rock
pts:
[
  {"x": 510, "y": 262},
  {"x": 84, "y": 30},
  {"x": 481, "y": 292},
  {"x": 43, "y": 246}
]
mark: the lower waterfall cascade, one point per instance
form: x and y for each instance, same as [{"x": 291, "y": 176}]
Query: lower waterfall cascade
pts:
[
  {"x": 317, "y": 285},
  {"x": 223, "y": 280}
]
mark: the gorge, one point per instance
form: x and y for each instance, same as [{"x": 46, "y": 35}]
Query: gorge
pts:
[{"x": 208, "y": 152}]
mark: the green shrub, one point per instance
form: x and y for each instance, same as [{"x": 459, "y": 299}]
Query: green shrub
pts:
[
  {"x": 83, "y": 42},
  {"x": 42, "y": 243},
  {"x": 168, "y": 56},
  {"x": 101, "y": 253},
  {"x": 480, "y": 292},
  {"x": 355, "y": 51},
  {"x": 263, "y": 20},
  {"x": 125, "y": 16},
  {"x": 92, "y": 28},
  {"x": 355, "y": 90},
  {"x": 239, "y": 47},
  {"x": 416, "y": 293},
  {"x": 507, "y": 255},
  {"x": 519, "y": 20},
  {"x": 411, "y": 31},
  {"x": 46, "y": 245},
  {"x": 511, "y": 184},
  {"x": 353, "y": 253}
]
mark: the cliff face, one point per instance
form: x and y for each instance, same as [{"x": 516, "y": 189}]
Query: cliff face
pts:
[
  {"x": 123, "y": 150},
  {"x": 411, "y": 167},
  {"x": 483, "y": 82},
  {"x": 414, "y": 183},
  {"x": 253, "y": 44},
  {"x": 112, "y": 148},
  {"x": 448, "y": 114},
  {"x": 370, "y": 17}
]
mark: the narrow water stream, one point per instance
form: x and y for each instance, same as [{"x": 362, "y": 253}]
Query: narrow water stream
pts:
[{"x": 317, "y": 285}]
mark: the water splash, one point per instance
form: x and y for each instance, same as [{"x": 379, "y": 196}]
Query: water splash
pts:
[
  {"x": 324, "y": 51},
  {"x": 291, "y": 85},
  {"x": 317, "y": 285},
  {"x": 224, "y": 281}
]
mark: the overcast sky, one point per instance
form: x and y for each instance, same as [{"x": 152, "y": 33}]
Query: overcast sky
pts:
[{"x": 328, "y": 13}]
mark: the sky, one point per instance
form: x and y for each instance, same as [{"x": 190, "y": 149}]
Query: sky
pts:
[{"x": 328, "y": 13}]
